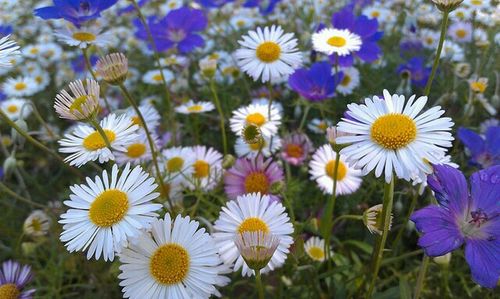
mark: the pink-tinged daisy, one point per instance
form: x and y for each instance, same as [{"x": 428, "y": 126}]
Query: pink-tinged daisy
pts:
[
  {"x": 251, "y": 176},
  {"x": 296, "y": 148},
  {"x": 13, "y": 279}
]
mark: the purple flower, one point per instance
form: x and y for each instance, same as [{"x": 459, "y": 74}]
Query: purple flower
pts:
[
  {"x": 78, "y": 64},
  {"x": 315, "y": 84},
  {"x": 13, "y": 279},
  {"x": 213, "y": 3},
  {"x": 365, "y": 29},
  {"x": 484, "y": 151},
  {"x": 415, "y": 70},
  {"x": 252, "y": 175},
  {"x": 410, "y": 48},
  {"x": 74, "y": 11},
  {"x": 296, "y": 148},
  {"x": 5, "y": 30},
  {"x": 176, "y": 29},
  {"x": 464, "y": 217},
  {"x": 131, "y": 7},
  {"x": 265, "y": 6}
]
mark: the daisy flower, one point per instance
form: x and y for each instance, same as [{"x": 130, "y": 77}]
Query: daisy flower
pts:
[
  {"x": 86, "y": 144},
  {"x": 207, "y": 168},
  {"x": 178, "y": 164},
  {"x": 16, "y": 108},
  {"x": 391, "y": 137},
  {"x": 258, "y": 115},
  {"x": 138, "y": 151},
  {"x": 177, "y": 259},
  {"x": 20, "y": 86},
  {"x": 315, "y": 249},
  {"x": 257, "y": 248},
  {"x": 83, "y": 104},
  {"x": 335, "y": 41},
  {"x": 461, "y": 32},
  {"x": 252, "y": 176},
  {"x": 268, "y": 147},
  {"x": 37, "y": 224},
  {"x": 192, "y": 107},
  {"x": 154, "y": 77},
  {"x": 107, "y": 211},
  {"x": 13, "y": 280},
  {"x": 319, "y": 126},
  {"x": 8, "y": 50},
  {"x": 252, "y": 213},
  {"x": 322, "y": 169},
  {"x": 430, "y": 38},
  {"x": 349, "y": 82},
  {"x": 268, "y": 53},
  {"x": 84, "y": 36},
  {"x": 296, "y": 148},
  {"x": 150, "y": 114}
]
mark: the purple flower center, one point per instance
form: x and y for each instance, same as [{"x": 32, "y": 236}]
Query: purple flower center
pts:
[
  {"x": 176, "y": 35},
  {"x": 478, "y": 217}
]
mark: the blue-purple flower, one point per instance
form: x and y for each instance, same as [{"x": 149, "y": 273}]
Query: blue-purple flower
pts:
[
  {"x": 462, "y": 217},
  {"x": 415, "y": 70},
  {"x": 315, "y": 84},
  {"x": 213, "y": 3},
  {"x": 265, "y": 6},
  {"x": 177, "y": 29},
  {"x": 484, "y": 150},
  {"x": 74, "y": 11},
  {"x": 13, "y": 279}
]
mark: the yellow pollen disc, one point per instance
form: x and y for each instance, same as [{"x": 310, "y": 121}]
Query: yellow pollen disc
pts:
[
  {"x": 393, "y": 131},
  {"x": 20, "y": 86},
  {"x": 477, "y": 2},
  {"x": 316, "y": 253},
  {"x": 268, "y": 52},
  {"x": 175, "y": 164},
  {"x": 36, "y": 225},
  {"x": 169, "y": 264},
  {"x": 95, "y": 141},
  {"x": 253, "y": 224},
  {"x": 12, "y": 108},
  {"x": 336, "y": 41},
  {"x": 256, "y": 119},
  {"x": 294, "y": 151},
  {"x": 136, "y": 150},
  {"x": 9, "y": 291},
  {"x": 34, "y": 51},
  {"x": 478, "y": 87},
  {"x": 38, "y": 79},
  {"x": 201, "y": 169},
  {"x": 157, "y": 78},
  {"x": 346, "y": 80},
  {"x": 341, "y": 170},
  {"x": 109, "y": 208},
  {"x": 322, "y": 126},
  {"x": 256, "y": 146},
  {"x": 240, "y": 23},
  {"x": 195, "y": 108},
  {"x": 429, "y": 40},
  {"x": 461, "y": 33},
  {"x": 375, "y": 14},
  {"x": 136, "y": 120},
  {"x": 77, "y": 104},
  {"x": 256, "y": 182},
  {"x": 84, "y": 36}
]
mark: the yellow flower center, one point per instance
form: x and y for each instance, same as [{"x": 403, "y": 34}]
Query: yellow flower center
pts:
[
  {"x": 429, "y": 40},
  {"x": 294, "y": 151},
  {"x": 461, "y": 33},
  {"x": 375, "y": 14},
  {"x": 257, "y": 146},
  {"x": 393, "y": 131},
  {"x": 109, "y": 208},
  {"x": 136, "y": 150},
  {"x": 169, "y": 264},
  {"x": 175, "y": 164},
  {"x": 201, "y": 169},
  {"x": 268, "y": 52},
  {"x": 136, "y": 120},
  {"x": 256, "y": 119},
  {"x": 346, "y": 80},
  {"x": 316, "y": 253},
  {"x": 460, "y": 14},
  {"x": 478, "y": 86},
  {"x": 253, "y": 224},
  {"x": 240, "y": 23},
  {"x": 20, "y": 86},
  {"x": 77, "y": 104},
  {"x": 95, "y": 141},
  {"x": 336, "y": 41},
  {"x": 36, "y": 225},
  {"x": 12, "y": 108},
  {"x": 84, "y": 36},
  {"x": 157, "y": 78},
  {"x": 9, "y": 291},
  {"x": 322, "y": 126},
  {"x": 477, "y": 2},
  {"x": 34, "y": 51},
  {"x": 256, "y": 182},
  {"x": 341, "y": 170},
  {"x": 195, "y": 108}
]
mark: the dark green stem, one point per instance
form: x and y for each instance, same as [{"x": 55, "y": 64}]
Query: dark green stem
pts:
[
  {"x": 258, "y": 282},
  {"x": 444, "y": 26},
  {"x": 222, "y": 120}
]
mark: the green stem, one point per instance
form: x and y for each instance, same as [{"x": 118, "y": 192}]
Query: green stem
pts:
[
  {"x": 42, "y": 121},
  {"x": 401, "y": 257},
  {"x": 14, "y": 195},
  {"x": 328, "y": 214},
  {"x": 152, "y": 146},
  {"x": 421, "y": 276},
  {"x": 386, "y": 222},
  {"x": 345, "y": 217},
  {"x": 289, "y": 203},
  {"x": 170, "y": 115},
  {"x": 413, "y": 204},
  {"x": 89, "y": 67},
  {"x": 222, "y": 120},
  {"x": 258, "y": 282},
  {"x": 444, "y": 26},
  {"x": 304, "y": 117}
]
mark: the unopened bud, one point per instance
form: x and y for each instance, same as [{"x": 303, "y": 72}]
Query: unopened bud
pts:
[
  {"x": 443, "y": 260},
  {"x": 208, "y": 67},
  {"x": 277, "y": 187},
  {"x": 373, "y": 220},
  {"x": 9, "y": 165},
  {"x": 21, "y": 123},
  {"x": 228, "y": 161}
]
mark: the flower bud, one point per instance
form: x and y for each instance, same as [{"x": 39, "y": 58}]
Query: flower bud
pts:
[
  {"x": 443, "y": 260},
  {"x": 228, "y": 161},
  {"x": 447, "y": 5},
  {"x": 208, "y": 67},
  {"x": 113, "y": 68},
  {"x": 257, "y": 248},
  {"x": 277, "y": 187},
  {"x": 9, "y": 165},
  {"x": 372, "y": 218}
]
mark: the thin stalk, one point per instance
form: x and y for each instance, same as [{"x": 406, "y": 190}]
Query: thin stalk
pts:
[
  {"x": 386, "y": 222},
  {"x": 289, "y": 203},
  {"x": 42, "y": 121},
  {"x": 444, "y": 26},
  {"x": 170, "y": 115},
  {"x": 413, "y": 204},
  {"x": 222, "y": 120},
  {"x": 304, "y": 117},
  {"x": 421, "y": 276},
  {"x": 328, "y": 214},
  {"x": 345, "y": 217},
  {"x": 258, "y": 282},
  {"x": 13, "y": 194},
  {"x": 92, "y": 73},
  {"x": 35, "y": 142},
  {"x": 401, "y": 257},
  {"x": 152, "y": 146}
]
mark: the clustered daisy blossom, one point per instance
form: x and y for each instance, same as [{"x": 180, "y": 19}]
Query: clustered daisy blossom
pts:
[{"x": 8, "y": 50}]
